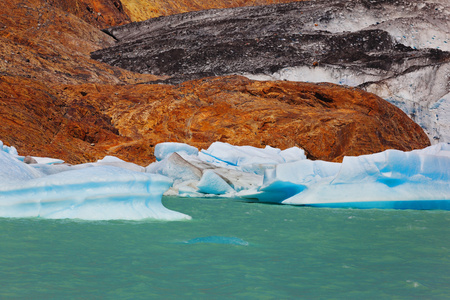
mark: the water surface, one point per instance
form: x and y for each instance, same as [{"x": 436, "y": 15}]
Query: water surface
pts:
[{"x": 231, "y": 249}]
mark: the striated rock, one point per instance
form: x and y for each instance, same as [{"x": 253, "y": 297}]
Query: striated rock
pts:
[
  {"x": 140, "y": 10},
  {"x": 80, "y": 123},
  {"x": 45, "y": 43},
  {"x": 100, "y": 13},
  {"x": 397, "y": 49},
  {"x": 37, "y": 121}
]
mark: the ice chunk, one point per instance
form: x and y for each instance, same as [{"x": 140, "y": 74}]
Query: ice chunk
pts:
[
  {"x": 390, "y": 179},
  {"x": 96, "y": 193},
  {"x": 211, "y": 183},
  {"x": 248, "y": 157},
  {"x": 163, "y": 150},
  {"x": 176, "y": 168},
  {"x": 8, "y": 149},
  {"x": 286, "y": 180},
  {"x": 47, "y": 160},
  {"x": 11, "y": 169},
  {"x": 188, "y": 170}
]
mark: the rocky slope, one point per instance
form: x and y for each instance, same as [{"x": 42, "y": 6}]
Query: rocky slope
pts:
[
  {"x": 56, "y": 101},
  {"x": 397, "y": 49}
]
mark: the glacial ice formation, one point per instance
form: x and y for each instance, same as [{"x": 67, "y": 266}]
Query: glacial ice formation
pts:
[
  {"x": 90, "y": 192},
  {"x": 419, "y": 179}
]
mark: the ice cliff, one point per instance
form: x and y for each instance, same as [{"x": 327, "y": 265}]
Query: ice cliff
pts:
[{"x": 395, "y": 49}]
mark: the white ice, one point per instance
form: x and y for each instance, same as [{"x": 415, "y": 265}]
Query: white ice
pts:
[
  {"x": 114, "y": 189},
  {"x": 249, "y": 158},
  {"x": 409, "y": 178},
  {"x": 96, "y": 191}
]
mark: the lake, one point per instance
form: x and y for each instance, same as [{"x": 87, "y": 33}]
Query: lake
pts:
[{"x": 231, "y": 249}]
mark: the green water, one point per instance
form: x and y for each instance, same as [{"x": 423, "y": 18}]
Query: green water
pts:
[{"x": 292, "y": 253}]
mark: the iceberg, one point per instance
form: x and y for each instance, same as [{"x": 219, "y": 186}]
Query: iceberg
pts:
[
  {"x": 248, "y": 158},
  {"x": 89, "y": 192},
  {"x": 418, "y": 179},
  {"x": 222, "y": 170}
]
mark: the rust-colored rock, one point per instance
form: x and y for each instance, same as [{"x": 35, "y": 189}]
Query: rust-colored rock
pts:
[
  {"x": 45, "y": 43},
  {"x": 100, "y": 13},
  {"x": 328, "y": 121}
]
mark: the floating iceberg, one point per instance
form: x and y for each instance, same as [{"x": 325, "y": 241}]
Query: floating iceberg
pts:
[
  {"x": 419, "y": 179},
  {"x": 221, "y": 170},
  {"x": 391, "y": 179},
  {"x": 90, "y": 192}
]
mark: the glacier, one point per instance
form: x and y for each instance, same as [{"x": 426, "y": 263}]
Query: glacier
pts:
[
  {"x": 418, "y": 179},
  {"x": 106, "y": 190}
]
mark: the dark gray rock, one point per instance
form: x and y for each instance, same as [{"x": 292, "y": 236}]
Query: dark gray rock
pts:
[{"x": 259, "y": 40}]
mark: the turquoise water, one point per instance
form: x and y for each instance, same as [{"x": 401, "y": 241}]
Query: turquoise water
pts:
[{"x": 231, "y": 249}]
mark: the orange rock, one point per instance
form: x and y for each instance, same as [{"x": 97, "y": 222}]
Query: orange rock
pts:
[
  {"x": 100, "y": 13},
  {"x": 328, "y": 121},
  {"x": 45, "y": 43}
]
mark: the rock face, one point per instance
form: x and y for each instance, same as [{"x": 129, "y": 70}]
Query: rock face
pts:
[
  {"x": 80, "y": 123},
  {"x": 322, "y": 119},
  {"x": 100, "y": 13},
  {"x": 42, "y": 42},
  {"x": 140, "y": 10},
  {"x": 55, "y": 101},
  {"x": 393, "y": 48}
]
